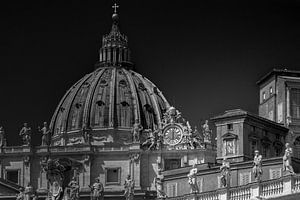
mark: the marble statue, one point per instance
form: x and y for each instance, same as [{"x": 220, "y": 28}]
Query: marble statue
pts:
[
  {"x": 129, "y": 188},
  {"x": 206, "y": 132},
  {"x": 74, "y": 189},
  {"x": 97, "y": 190},
  {"x": 45, "y": 134},
  {"x": 160, "y": 193},
  {"x": 2, "y": 137},
  {"x": 257, "y": 168},
  {"x": 192, "y": 179},
  {"x": 225, "y": 172},
  {"x": 136, "y": 131},
  {"x": 287, "y": 159},
  {"x": 28, "y": 192},
  {"x": 25, "y": 133},
  {"x": 150, "y": 142}
]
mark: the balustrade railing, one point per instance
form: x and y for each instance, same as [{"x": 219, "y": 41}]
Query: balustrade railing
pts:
[
  {"x": 265, "y": 190},
  {"x": 272, "y": 188},
  {"x": 240, "y": 193},
  {"x": 213, "y": 195},
  {"x": 296, "y": 184}
]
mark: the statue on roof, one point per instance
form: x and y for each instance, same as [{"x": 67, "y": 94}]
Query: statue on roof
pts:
[
  {"x": 206, "y": 132},
  {"x": 225, "y": 172},
  {"x": 171, "y": 115},
  {"x": 197, "y": 138},
  {"x": 152, "y": 142},
  {"x": 136, "y": 131},
  {"x": 97, "y": 190},
  {"x": 25, "y": 133},
  {"x": 129, "y": 188},
  {"x": 2, "y": 137},
  {"x": 287, "y": 159},
  {"x": 45, "y": 134},
  {"x": 257, "y": 166},
  {"x": 192, "y": 176}
]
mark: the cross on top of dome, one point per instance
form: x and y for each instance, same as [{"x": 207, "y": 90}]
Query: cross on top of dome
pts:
[{"x": 115, "y": 6}]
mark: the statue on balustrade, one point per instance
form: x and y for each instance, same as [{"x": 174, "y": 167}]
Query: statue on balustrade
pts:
[
  {"x": 257, "y": 166},
  {"x": 25, "y": 133},
  {"x": 206, "y": 132},
  {"x": 225, "y": 173},
  {"x": 45, "y": 134},
  {"x": 192, "y": 179},
  {"x": 129, "y": 188},
  {"x": 160, "y": 193},
  {"x": 287, "y": 159},
  {"x": 97, "y": 190},
  {"x": 74, "y": 189},
  {"x": 2, "y": 137},
  {"x": 28, "y": 192},
  {"x": 136, "y": 131}
]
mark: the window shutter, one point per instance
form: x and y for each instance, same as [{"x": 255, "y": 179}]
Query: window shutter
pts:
[{"x": 171, "y": 189}]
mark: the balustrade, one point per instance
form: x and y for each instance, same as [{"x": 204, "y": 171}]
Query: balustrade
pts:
[
  {"x": 240, "y": 193},
  {"x": 272, "y": 188}
]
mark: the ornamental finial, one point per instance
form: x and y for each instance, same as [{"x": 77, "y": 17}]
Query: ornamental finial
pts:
[{"x": 115, "y": 6}]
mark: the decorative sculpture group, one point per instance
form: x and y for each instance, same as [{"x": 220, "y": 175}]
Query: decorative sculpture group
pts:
[
  {"x": 190, "y": 139},
  {"x": 26, "y": 193}
]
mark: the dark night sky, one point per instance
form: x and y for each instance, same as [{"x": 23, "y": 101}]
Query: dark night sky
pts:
[{"x": 205, "y": 58}]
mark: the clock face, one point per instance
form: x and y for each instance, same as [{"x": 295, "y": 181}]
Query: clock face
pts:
[{"x": 173, "y": 135}]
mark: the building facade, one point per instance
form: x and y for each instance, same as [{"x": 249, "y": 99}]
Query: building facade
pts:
[{"x": 115, "y": 131}]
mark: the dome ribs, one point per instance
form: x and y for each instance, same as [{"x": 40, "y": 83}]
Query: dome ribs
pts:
[
  {"x": 89, "y": 98},
  {"x": 149, "y": 86},
  {"x": 112, "y": 99},
  {"x": 124, "y": 108},
  {"x": 60, "y": 108},
  {"x": 135, "y": 103},
  {"x": 99, "y": 114},
  {"x": 71, "y": 118}
]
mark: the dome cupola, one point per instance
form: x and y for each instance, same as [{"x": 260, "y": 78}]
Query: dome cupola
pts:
[
  {"x": 114, "y": 50},
  {"x": 106, "y": 103}
]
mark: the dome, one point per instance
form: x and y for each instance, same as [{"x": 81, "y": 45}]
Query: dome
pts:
[{"x": 106, "y": 103}]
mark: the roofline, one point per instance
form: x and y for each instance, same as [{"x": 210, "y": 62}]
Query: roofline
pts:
[
  {"x": 277, "y": 72},
  {"x": 251, "y": 115}
]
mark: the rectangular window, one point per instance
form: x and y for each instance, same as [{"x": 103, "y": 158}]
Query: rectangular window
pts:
[
  {"x": 172, "y": 163},
  {"x": 264, "y": 96},
  {"x": 245, "y": 178},
  {"x": 295, "y": 103},
  {"x": 12, "y": 176},
  {"x": 230, "y": 127},
  {"x": 271, "y": 90},
  {"x": 275, "y": 173},
  {"x": 171, "y": 189},
  {"x": 112, "y": 176}
]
